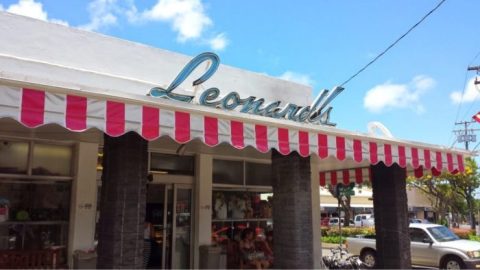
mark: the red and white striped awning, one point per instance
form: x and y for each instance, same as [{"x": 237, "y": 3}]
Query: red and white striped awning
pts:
[
  {"x": 114, "y": 116},
  {"x": 362, "y": 175},
  {"x": 347, "y": 176}
]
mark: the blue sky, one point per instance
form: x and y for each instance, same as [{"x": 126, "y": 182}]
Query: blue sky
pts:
[{"x": 415, "y": 90}]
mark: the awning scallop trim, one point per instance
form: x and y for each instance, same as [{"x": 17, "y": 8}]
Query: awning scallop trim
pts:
[{"x": 33, "y": 108}]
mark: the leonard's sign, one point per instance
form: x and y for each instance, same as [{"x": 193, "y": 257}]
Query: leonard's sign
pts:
[{"x": 317, "y": 113}]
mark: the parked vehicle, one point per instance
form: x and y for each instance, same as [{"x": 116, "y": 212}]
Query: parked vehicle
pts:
[
  {"x": 432, "y": 245},
  {"x": 417, "y": 220},
  {"x": 324, "y": 221},
  {"x": 364, "y": 220},
  {"x": 333, "y": 221}
]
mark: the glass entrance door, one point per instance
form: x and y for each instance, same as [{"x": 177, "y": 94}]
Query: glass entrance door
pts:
[{"x": 169, "y": 210}]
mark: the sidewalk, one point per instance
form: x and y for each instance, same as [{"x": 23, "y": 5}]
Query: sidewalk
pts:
[{"x": 329, "y": 245}]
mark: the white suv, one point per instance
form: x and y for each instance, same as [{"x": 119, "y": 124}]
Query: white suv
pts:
[{"x": 364, "y": 220}]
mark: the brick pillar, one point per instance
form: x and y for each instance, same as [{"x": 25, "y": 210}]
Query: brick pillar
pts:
[
  {"x": 292, "y": 211},
  {"x": 122, "y": 202},
  {"x": 391, "y": 217}
]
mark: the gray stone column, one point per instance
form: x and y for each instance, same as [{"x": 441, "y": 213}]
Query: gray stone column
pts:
[
  {"x": 122, "y": 202},
  {"x": 391, "y": 217},
  {"x": 292, "y": 211}
]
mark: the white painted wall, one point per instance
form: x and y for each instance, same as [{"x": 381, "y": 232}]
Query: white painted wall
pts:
[
  {"x": 417, "y": 198},
  {"x": 203, "y": 204},
  {"x": 35, "y": 51},
  {"x": 84, "y": 200}
]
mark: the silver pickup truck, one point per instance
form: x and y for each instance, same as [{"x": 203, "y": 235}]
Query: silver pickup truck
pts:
[{"x": 431, "y": 245}]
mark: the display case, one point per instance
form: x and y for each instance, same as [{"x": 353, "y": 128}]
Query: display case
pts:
[
  {"x": 35, "y": 195},
  {"x": 235, "y": 210}
]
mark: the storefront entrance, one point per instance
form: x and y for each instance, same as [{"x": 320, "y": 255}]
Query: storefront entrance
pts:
[{"x": 169, "y": 211}]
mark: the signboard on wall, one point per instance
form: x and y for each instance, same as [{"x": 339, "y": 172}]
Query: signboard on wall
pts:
[{"x": 316, "y": 113}]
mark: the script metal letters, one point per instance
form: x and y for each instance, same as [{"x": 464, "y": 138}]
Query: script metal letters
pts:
[{"x": 317, "y": 113}]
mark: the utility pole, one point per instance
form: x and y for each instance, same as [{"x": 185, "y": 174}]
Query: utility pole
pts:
[
  {"x": 477, "y": 69},
  {"x": 465, "y": 135}
]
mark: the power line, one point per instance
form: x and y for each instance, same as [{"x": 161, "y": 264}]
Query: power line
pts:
[
  {"x": 466, "y": 134},
  {"x": 393, "y": 44},
  {"x": 462, "y": 96}
]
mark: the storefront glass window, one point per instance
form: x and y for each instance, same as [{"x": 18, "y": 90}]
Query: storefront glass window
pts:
[
  {"x": 13, "y": 157},
  {"x": 258, "y": 174},
  {"x": 227, "y": 172},
  {"x": 53, "y": 160},
  {"x": 233, "y": 212},
  {"x": 172, "y": 164},
  {"x": 34, "y": 218}
]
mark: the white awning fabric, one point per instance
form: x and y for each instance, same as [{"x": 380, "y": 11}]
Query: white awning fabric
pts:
[{"x": 152, "y": 118}]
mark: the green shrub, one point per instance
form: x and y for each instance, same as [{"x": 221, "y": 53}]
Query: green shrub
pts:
[
  {"x": 474, "y": 237},
  {"x": 349, "y": 231},
  {"x": 333, "y": 239},
  {"x": 324, "y": 231}
]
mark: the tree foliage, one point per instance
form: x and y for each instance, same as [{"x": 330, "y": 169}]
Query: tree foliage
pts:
[{"x": 451, "y": 192}]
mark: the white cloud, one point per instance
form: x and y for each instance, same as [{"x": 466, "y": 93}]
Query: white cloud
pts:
[
  {"x": 219, "y": 42},
  {"x": 389, "y": 96},
  {"x": 32, "y": 9},
  {"x": 28, "y": 8},
  {"x": 297, "y": 77},
  {"x": 423, "y": 83},
  {"x": 187, "y": 17},
  {"x": 102, "y": 14},
  {"x": 470, "y": 94}
]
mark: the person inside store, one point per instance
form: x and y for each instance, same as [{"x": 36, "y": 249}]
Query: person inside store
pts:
[
  {"x": 267, "y": 247},
  {"x": 251, "y": 257},
  {"x": 151, "y": 249}
]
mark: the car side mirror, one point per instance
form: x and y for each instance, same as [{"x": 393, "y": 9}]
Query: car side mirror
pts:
[{"x": 427, "y": 240}]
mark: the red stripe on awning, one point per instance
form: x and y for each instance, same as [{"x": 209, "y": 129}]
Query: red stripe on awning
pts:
[
  {"x": 439, "y": 161},
  {"x": 357, "y": 150},
  {"x": 236, "y": 129},
  {"x": 150, "y": 122},
  {"x": 76, "y": 113},
  {"x": 426, "y": 157},
  {"x": 387, "y": 148},
  {"x": 415, "y": 160},
  {"x": 333, "y": 178},
  {"x": 322, "y": 146},
  {"x": 303, "y": 143},
  {"x": 450, "y": 162},
  {"x": 115, "y": 122},
  {"x": 418, "y": 172},
  {"x": 373, "y": 152},
  {"x": 436, "y": 172},
  {"x": 283, "y": 141},
  {"x": 323, "y": 179},
  {"x": 211, "y": 130},
  {"x": 33, "y": 107},
  {"x": 182, "y": 127},
  {"x": 261, "y": 138},
  {"x": 461, "y": 166},
  {"x": 346, "y": 177},
  {"x": 402, "y": 158},
  {"x": 340, "y": 143},
  {"x": 358, "y": 175}
]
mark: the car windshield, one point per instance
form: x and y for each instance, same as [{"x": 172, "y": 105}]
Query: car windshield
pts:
[{"x": 442, "y": 234}]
